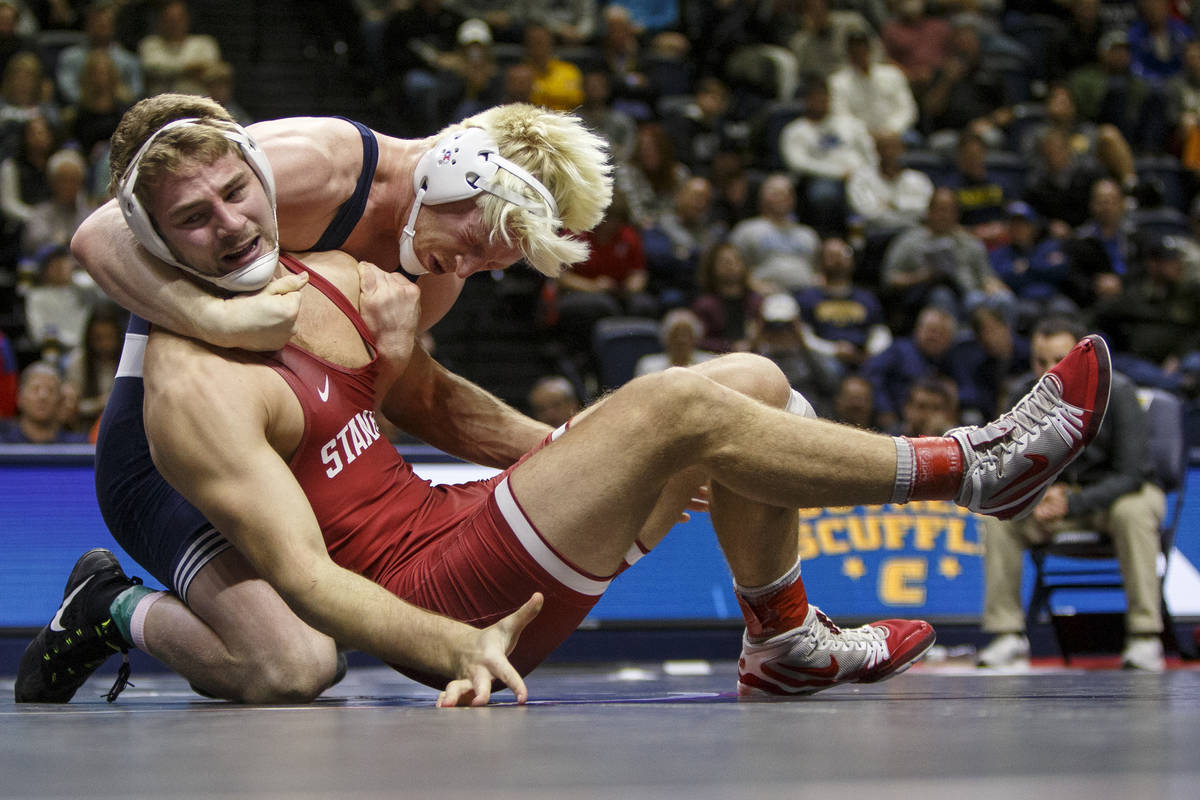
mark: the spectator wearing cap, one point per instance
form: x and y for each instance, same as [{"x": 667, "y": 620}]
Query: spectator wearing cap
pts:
[
  {"x": 876, "y": 93},
  {"x": 1035, "y": 268},
  {"x": 1153, "y": 324},
  {"x": 779, "y": 335},
  {"x": 476, "y": 77},
  {"x": 1109, "y": 92},
  {"x": 1157, "y": 41}
]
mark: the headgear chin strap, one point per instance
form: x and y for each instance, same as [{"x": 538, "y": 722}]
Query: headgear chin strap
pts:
[
  {"x": 460, "y": 166},
  {"x": 249, "y": 278}
]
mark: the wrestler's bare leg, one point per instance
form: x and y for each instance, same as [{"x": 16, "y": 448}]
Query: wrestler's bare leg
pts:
[{"x": 238, "y": 640}]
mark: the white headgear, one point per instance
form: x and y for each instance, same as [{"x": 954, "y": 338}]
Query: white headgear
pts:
[
  {"x": 249, "y": 278},
  {"x": 460, "y": 166}
]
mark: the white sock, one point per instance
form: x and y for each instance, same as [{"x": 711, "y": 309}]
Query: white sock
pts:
[
  {"x": 905, "y": 468},
  {"x": 756, "y": 592},
  {"x": 798, "y": 404},
  {"x": 137, "y": 622}
]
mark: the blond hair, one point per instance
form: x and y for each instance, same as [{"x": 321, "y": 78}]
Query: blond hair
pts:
[{"x": 571, "y": 162}]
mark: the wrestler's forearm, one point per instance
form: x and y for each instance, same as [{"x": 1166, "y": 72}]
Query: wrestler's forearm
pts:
[
  {"x": 161, "y": 294},
  {"x": 459, "y": 417}
]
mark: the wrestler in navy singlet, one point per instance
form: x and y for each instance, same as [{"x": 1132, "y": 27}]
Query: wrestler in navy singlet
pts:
[{"x": 152, "y": 522}]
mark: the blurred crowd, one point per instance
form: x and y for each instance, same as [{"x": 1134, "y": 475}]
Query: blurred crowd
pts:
[{"x": 883, "y": 196}]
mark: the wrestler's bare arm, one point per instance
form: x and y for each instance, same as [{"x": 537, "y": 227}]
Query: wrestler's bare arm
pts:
[
  {"x": 162, "y": 294},
  {"x": 211, "y": 421},
  {"x": 458, "y": 417}
]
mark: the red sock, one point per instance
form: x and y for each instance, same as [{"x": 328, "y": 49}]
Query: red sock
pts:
[
  {"x": 775, "y": 613},
  {"x": 937, "y": 468}
]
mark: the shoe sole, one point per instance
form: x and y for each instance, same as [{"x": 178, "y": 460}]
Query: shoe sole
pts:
[{"x": 744, "y": 690}]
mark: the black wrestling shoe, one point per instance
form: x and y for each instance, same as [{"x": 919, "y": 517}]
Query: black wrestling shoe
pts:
[
  {"x": 337, "y": 678},
  {"x": 81, "y": 636}
]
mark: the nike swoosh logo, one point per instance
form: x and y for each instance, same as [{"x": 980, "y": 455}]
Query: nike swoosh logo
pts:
[
  {"x": 323, "y": 392},
  {"x": 56, "y": 623},
  {"x": 830, "y": 671},
  {"x": 1036, "y": 467}
]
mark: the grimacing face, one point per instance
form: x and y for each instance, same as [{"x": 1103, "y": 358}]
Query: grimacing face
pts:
[
  {"x": 215, "y": 217},
  {"x": 451, "y": 238}
]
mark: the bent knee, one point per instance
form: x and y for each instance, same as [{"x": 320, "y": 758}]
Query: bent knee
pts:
[
  {"x": 298, "y": 676},
  {"x": 750, "y": 374}
]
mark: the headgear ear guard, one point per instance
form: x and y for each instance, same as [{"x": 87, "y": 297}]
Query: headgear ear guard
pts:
[
  {"x": 458, "y": 167},
  {"x": 251, "y": 277}
]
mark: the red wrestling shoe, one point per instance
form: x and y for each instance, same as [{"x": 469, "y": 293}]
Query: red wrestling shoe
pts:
[
  {"x": 818, "y": 655},
  {"x": 1012, "y": 461}
]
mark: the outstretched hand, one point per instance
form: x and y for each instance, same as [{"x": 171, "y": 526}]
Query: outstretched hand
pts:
[
  {"x": 265, "y": 320},
  {"x": 487, "y": 660}
]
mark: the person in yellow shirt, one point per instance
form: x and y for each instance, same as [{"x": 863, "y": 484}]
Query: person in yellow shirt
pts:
[{"x": 557, "y": 84}]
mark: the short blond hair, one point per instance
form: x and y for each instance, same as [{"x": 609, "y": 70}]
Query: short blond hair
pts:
[{"x": 571, "y": 161}]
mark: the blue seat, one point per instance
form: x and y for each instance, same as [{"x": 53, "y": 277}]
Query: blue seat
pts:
[
  {"x": 618, "y": 343},
  {"x": 1086, "y": 559}
]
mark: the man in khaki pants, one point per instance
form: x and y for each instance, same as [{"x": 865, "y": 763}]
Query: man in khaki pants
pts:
[{"x": 1108, "y": 488}]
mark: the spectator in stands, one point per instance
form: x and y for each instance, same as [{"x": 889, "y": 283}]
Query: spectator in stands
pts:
[
  {"x": 1103, "y": 145},
  {"x": 1035, "y": 268},
  {"x": 518, "y": 83},
  {"x": 780, "y": 251},
  {"x": 877, "y": 94},
  {"x": 853, "y": 404},
  {"x": 92, "y": 367},
  {"x": 1109, "y": 92},
  {"x": 940, "y": 263},
  {"x": 23, "y": 180},
  {"x": 58, "y": 305},
  {"x": 173, "y": 58},
  {"x": 505, "y": 19},
  {"x": 100, "y": 26},
  {"x": 779, "y": 335},
  {"x": 1183, "y": 107},
  {"x": 553, "y": 400},
  {"x": 417, "y": 42},
  {"x": 620, "y": 51},
  {"x": 557, "y": 84},
  {"x": 1109, "y": 488},
  {"x": 649, "y": 181},
  {"x": 888, "y": 196},
  {"x": 472, "y": 69},
  {"x": 821, "y": 43},
  {"x": 927, "y": 352},
  {"x": 1153, "y": 323},
  {"x": 842, "y": 322},
  {"x": 930, "y": 408},
  {"x": 732, "y": 185},
  {"x": 987, "y": 364},
  {"x": 1078, "y": 42},
  {"x": 25, "y": 92},
  {"x": 965, "y": 93},
  {"x": 1103, "y": 250},
  {"x": 1157, "y": 41},
  {"x": 1060, "y": 182},
  {"x": 39, "y": 401},
  {"x": 727, "y": 304},
  {"x": 705, "y": 125},
  {"x": 918, "y": 42},
  {"x": 679, "y": 331},
  {"x": 103, "y": 99},
  {"x": 981, "y": 198},
  {"x": 597, "y": 112},
  {"x": 218, "y": 84},
  {"x": 12, "y": 39},
  {"x": 675, "y": 243},
  {"x": 573, "y": 22},
  {"x": 824, "y": 148},
  {"x": 55, "y": 220}
]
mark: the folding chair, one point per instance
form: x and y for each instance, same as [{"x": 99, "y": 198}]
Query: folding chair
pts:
[{"x": 1077, "y": 560}]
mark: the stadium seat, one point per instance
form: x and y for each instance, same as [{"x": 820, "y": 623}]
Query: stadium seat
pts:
[{"x": 618, "y": 343}]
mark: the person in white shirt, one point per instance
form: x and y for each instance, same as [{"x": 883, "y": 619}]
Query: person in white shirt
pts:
[
  {"x": 825, "y": 148},
  {"x": 877, "y": 94},
  {"x": 888, "y": 196}
]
